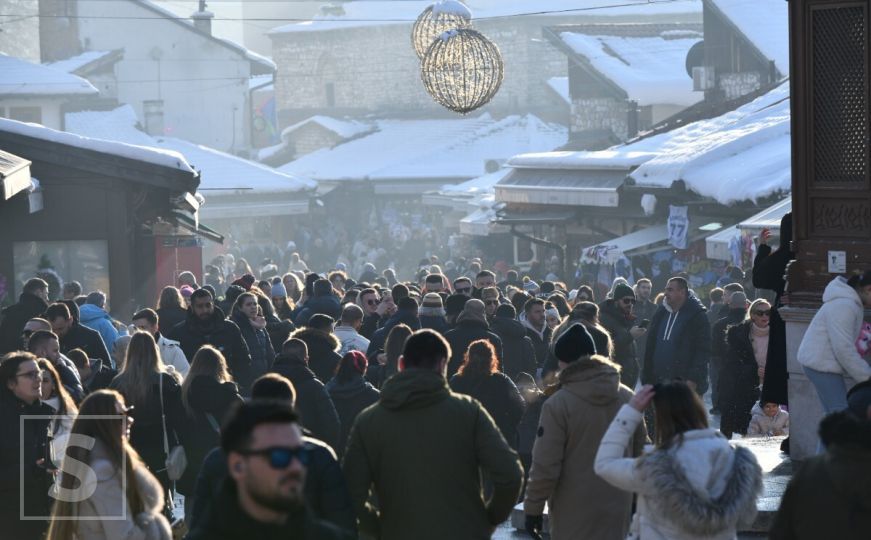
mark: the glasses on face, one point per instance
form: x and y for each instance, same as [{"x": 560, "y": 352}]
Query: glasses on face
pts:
[
  {"x": 763, "y": 313},
  {"x": 372, "y": 302},
  {"x": 34, "y": 375},
  {"x": 280, "y": 457},
  {"x": 628, "y": 301}
]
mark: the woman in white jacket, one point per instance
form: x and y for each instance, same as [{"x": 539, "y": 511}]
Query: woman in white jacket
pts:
[
  {"x": 106, "y": 492},
  {"x": 828, "y": 351},
  {"x": 693, "y": 485}
]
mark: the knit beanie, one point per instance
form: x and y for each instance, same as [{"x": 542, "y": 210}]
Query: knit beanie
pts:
[
  {"x": 278, "y": 290},
  {"x": 432, "y": 300},
  {"x": 455, "y": 303},
  {"x": 530, "y": 286},
  {"x": 573, "y": 344},
  {"x": 356, "y": 359},
  {"x": 547, "y": 287},
  {"x": 246, "y": 281},
  {"x": 506, "y": 311},
  {"x": 186, "y": 291},
  {"x": 621, "y": 290},
  {"x": 474, "y": 311}
]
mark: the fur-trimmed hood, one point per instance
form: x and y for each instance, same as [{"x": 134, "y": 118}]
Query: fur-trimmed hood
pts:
[{"x": 703, "y": 487}]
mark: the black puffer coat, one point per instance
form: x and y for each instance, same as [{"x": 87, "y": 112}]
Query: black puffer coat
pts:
[
  {"x": 86, "y": 339},
  {"x": 222, "y": 334},
  {"x": 618, "y": 326},
  {"x": 350, "y": 397},
  {"x": 518, "y": 352},
  {"x": 14, "y": 319},
  {"x": 463, "y": 334},
  {"x": 739, "y": 381},
  {"x": 499, "y": 396},
  {"x": 326, "y": 305},
  {"x": 312, "y": 400},
  {"x": 169, "y": 317},
  {"x": 323, "y": 356},
  {"x": 259, "y": 345}
]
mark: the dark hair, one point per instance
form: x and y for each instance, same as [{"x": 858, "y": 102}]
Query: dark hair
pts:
[
  {"x": 245, "y": 417},
  {"x": 681, "y": 283},
  {"x": 170, "y": 297},
  {"x": 9, "y": 367},
  {"x": 519, "y": 300},
  {"x": 480, "y": 359},
  {"x": 677, "y": 409},
  {"x": 273, "y": 386},
  {"x": 506, "y": 311},
  {"x": 35, "y": 284},
  {"x": 366, "y": 291},
  {"x": 38, "y": 338},
  {"x": 201, "y": 293},
  {"x": 716, "y": 295},
  {"x": 97, "y": 298},
  {"x": 148, "y": 314},
  {"x": 241, "y": 299},
  {"x": 78, "y": 357},
  {"x": 399, "y": 291},
  {"x": 532, "y": 302},
  {"x": 462, "y": 278},
  {"x": 322, "y": 287},
  {"x": 512, "y": 275},
  {"x": 643, "y": 281},
  {"x": 586, "y": 289},
  {"x": 66, "y": 405},
  {"x": 425, "y": 349},
  {"x": 733, "y": 287},
  {"x": 407, "y": 304},
  {"x": 860, "y": 280},
  {"x": 560, "y": 303},
  {"x": 394, "y": 345},
  {"x": 351, "y": 313},
  {"x": 58, "y": 309},
  {"x": 485, "y": 273},
  {"x": 295, "y": 347}
]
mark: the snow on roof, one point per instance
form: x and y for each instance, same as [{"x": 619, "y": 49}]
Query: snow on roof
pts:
[
  {"x": 219, "y": 170},
  {"x": 560, "y": 85},
  {"x": 73, "y": 63},
  {"x": 427, "y": 149},
  {"x": 260, "y": 82},
  {"x": 652, "y": 70},
  {"x": 155, "y": 156},
  {"x": 344, "y": 128},
  {"x": 20, "y": 77},
  {"x": 765, "y": 23},
  {"x": 479, "y": 185},
  {"x": 381, "y": 12},
  {"x": 741, "y": 155}
]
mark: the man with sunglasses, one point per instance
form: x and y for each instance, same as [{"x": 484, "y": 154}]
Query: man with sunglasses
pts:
[
  {"x": 263, "y": 496},
  {"x": 617, "y": 318},
  {"x": 463, "y": 285}
]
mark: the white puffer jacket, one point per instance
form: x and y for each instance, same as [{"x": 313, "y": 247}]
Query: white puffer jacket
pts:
[
  {"x": 699, "y": 489},
  {"x": 830, "y": 342}
]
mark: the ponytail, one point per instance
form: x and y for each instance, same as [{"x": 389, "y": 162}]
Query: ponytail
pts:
[{"x": 858, "y": 281}]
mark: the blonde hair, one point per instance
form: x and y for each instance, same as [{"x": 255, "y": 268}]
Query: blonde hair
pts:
[
  {"x": 141, "y": 363},
  {"x": 207, "y": 362},
  {"x": 752, "y": 308}
]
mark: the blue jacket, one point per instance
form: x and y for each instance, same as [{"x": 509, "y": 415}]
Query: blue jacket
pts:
[{"x": 96, "y": 318}]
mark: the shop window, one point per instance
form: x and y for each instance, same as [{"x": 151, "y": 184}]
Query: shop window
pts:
[
  {"x": 26, "y": 114},
  {"x": 85, "y": 261}
]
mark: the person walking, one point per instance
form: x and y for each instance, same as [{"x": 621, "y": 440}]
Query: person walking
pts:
[
  {"x": 572, "y": 423},
  {"x": 147, "y": 320},
  {"x": 479, "y": 377},
  {"x": 323, "y": 346},
  {"x": 249, "y": 318},
  {"x": 828, "y": 352},
  {"x": 351, "y": 393},
  {"x": 693, "y": 485},
  {"x": 171, "y": 308},
  {"x": 432, "y": 313},
  {"x": 737, "y": 314},
  {"x": 127, "y": 500},
  {"x": 348, "y": 330},
  {"x": 64, "y": 319},
  {"x": 744, "y": 368},
  {"x": 32, "y": 302},
  {"x": 93, "y": 314},
  {"x": 471, "y": 326},
  {"x": 387, "y": 363},
  {"x": 537, "y": 329},
  {"x": 426, "y": 470},
  {"x": 616, "y": 316},
  {"x": 56, "y": 396},
  {"x": 518, "y": 353}
]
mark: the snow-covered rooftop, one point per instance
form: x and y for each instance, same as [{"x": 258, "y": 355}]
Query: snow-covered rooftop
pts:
[
  {"x": 765, "y": 23},
  {"x": 20, "y": 77},
  {"x": 155, "y": 156},
  {"x": 560, "y": 85},
  {"x": 260, "y": 82},
  {"x": 429, "y": 149},
  {"x": 73, "y": 63},
  {"x": 741, "y": 155},
  {"x": 344, "y": 128},
  {"x": 477, "y": 186},
  {"x": 651, "y": 70},
  {"x": 381, "y": 12},
  {"x": 219, "y": 170}
]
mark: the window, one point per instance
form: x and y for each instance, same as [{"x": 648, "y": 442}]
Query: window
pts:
[
  {"x": 85, "y": 261},
  {"x": 26, "y": 114}
]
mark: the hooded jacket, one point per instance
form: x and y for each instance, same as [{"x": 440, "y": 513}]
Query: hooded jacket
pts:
[
  {"x": 222, "y": 334},
  {"x": 700, "y": 488},
  {"x": 96, "y": 318},
  {"x": 350, "y": 397},
  {"x": 499, "y": 396},
  {"x": 764, "y": 425},
  {"x": 829, "y": 345},
  {"x": 830, "y": 494},
  {"x": 14, "y": 319},
  {"x": 517, "y": 350},
  {"x": 259, "y": 345},
  {"x": 464, "y": 333},
  {"x": 326, "y": 305},
  {"x": 692, "y": 348},
  {"x": 618, "y": 326},
  {"x": 312, "y": 400},
  {"x": 424, "y": 469},
  {"x": 572, "y": 423},
  {"x": 350, "y": 340},
  {"x": 323, "y": 356}
]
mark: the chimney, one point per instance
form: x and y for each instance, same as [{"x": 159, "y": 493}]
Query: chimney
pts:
[{"x": 203, "y": 19}]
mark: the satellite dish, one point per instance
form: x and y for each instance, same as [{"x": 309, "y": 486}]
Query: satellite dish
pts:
[{"x": 695, "y": 57}]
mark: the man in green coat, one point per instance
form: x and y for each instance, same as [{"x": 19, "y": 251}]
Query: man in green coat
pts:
[{"x": 421, "y": 448}]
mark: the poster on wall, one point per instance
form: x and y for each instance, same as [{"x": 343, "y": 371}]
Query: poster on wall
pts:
[{"x": 678, "y": 226}]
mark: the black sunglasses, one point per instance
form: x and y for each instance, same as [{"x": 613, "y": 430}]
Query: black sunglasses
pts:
[
  {"x": 765, "y": 313},
  {"x": 371, "y": 302},
  {"x": 280, "y": 457},
  {"x": 627, "y": 300}
]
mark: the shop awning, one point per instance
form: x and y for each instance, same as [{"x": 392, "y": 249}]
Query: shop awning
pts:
[
  {"x": 508, "y": 217},
  {"x": 217, "y": 209},
  {"x": 562, "y": 187},
  {"x": 717, "y": 246},
  {"x": 14, "y": 174},
  {"x": 190, "y": 224},
  {"x": 612, "y": 250},
  {"x": 480, "y": 223}
]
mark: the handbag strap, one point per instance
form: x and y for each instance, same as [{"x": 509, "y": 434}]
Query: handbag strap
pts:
[
  {"x": 163, "y": 416},
  {"x": 213, "y": 422}
]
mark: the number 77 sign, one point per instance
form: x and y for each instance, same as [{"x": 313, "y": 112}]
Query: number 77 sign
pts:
[{"x": 678, "y": 226}]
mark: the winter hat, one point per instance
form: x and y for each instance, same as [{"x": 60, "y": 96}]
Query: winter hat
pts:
[
  {"x": 473, "y": 311},
  {"x": 489, "y": 292},
  {"x": 188, "y": 278},
  {"x": 246, "y": 281},
  {"x": 552, "y": 312},
  {"x": 432, "y": 300},
  {"x": 369, "y": 267},
  {"x": 186, "y": 291},
  {"x": 455, "y": 303},
  {"x": 232, "y": 293},
  {"x": 547, "y": 287},
  {"x": 622, "y": 290},
  {"x": 341, "y": 267},
  {"x": 530, "y": 286},
  {"x": 573, "y": 344},
  {"x": 321, "y": 322},
  {"x": 356, "y": 359},
  {"x": 278, "y": 290},
  {"x": 506, "y": 311}
]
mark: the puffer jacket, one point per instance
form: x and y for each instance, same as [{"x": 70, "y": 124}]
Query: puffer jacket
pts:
[
  {"x": 96, "y": 318},
  {"x": 762, "y": 424},
  {"x": 829, "y": 345},
  {"x": 323, "y": 355},
  {"x": 350, "y": 397},
  {"x": 692, "y": 348},
  {"x": 325, "y": 305},
  {"x": 700, "y": 488},
  {"x": 312, "y": 400},
  {"x": 517, "y": 350}
]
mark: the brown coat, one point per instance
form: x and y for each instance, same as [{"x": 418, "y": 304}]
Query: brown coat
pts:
[{"x": 573, "y": 421}]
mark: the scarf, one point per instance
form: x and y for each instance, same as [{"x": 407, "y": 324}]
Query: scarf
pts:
[{"x": 759, "y": 338}]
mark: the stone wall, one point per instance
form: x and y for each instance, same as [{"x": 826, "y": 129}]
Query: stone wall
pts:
[
  {"x": 598, "y": 114},
  {"x": 310, "y": 138},
  {"x": 735, "y": 85}
]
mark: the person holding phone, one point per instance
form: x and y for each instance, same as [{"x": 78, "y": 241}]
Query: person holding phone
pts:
[{"x": 617, "y": 318}]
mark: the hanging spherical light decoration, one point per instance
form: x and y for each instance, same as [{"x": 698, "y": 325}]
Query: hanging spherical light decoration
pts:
[
  {"x": 437, "y": 19},
  {"x": 462, "y": 70}
]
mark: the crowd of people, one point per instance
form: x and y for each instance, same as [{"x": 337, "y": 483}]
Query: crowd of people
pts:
[{"x": 307, "y": 405}]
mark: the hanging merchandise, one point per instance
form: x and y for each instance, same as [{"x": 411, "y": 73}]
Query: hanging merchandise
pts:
[
  {"x": 437, "y": 19},
  {"x": 462, "y": 70},
  {"x": 678, "y": 226}
]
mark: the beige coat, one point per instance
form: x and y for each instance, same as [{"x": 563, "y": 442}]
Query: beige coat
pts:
[
  {"x": 109, "y": 500},
  {"x": 573, "y": 421}
]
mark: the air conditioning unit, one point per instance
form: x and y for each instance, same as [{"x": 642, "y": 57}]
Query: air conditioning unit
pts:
[{"x": 703, "y": 78}]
